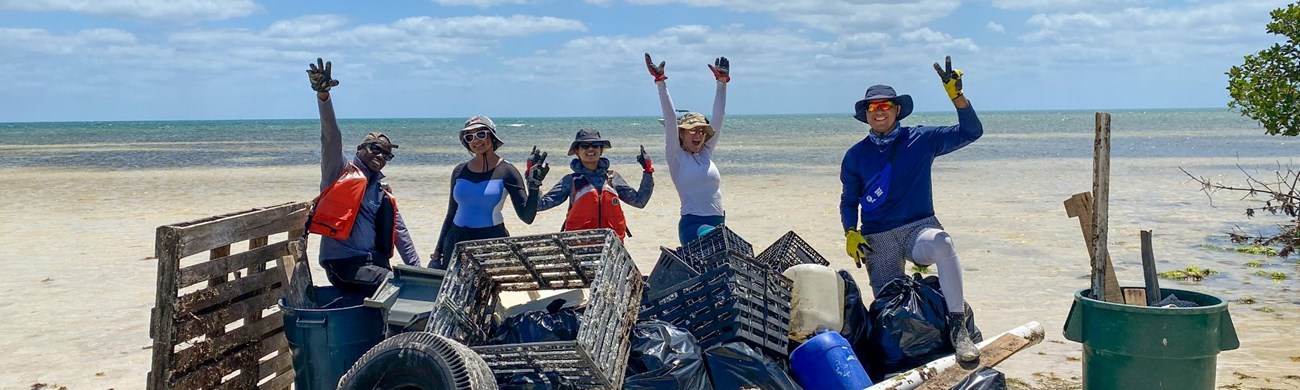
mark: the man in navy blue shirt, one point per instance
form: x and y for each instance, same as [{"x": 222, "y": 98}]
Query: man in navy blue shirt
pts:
[{"x": 888, "y": 189}]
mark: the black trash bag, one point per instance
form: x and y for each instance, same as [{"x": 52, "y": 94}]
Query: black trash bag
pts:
[
  {"x": 857, "y": 321},
  {"x": 534, "y": 381},
  {"x": 983, "y": 379},
  {"x": 908, "y": 320},
  {"x": 736, "y": 365},
  {"x": 665, "y": 357},
  {"x": 975, "y": 335},
  {"x": 910, "y": 326},
  {"x": 557, "y": 323}
]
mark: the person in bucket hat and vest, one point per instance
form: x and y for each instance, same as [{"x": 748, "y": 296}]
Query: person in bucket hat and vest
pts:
[
  {"x": 888, "y": 190},
  {"x": 479, "y": 188},
  {"x": 594, "y": 191},
  {"x": 355, "y": 214},
  {"x": 689, "y": 141}
]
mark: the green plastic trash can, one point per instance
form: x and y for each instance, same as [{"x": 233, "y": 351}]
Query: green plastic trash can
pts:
[
  {"x": 1140, "y": 347},
  {"x": 327, "y": 340}
]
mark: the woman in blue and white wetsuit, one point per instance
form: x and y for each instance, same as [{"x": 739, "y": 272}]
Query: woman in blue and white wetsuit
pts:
[
  {"x": 688, "y": 148},
  {"x": 479, "y": 188}
]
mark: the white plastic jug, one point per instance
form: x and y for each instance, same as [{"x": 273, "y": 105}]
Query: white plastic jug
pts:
[{"x": 816, "y": 301}]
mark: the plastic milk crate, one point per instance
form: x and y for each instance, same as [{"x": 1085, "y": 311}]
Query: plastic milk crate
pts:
[
  {"x": 736, "y": 300},
  {"x": 788, "y": 251},
  {"x": 670, "y": 270},
  {"x": 595, "y": 259},
  {"x": 715, "y": 245}
]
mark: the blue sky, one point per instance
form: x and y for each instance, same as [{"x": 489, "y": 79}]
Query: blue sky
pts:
[{"x": 66, "y": 60}]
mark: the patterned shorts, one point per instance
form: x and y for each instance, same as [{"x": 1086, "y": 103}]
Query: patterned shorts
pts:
[{"x": 889, "y": 250}]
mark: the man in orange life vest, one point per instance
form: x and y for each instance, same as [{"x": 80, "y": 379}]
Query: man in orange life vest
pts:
[
  {"x": 355, "y": 214},
  {"x": 595, "y": 192}
]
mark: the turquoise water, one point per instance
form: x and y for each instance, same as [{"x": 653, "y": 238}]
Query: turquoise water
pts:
[{"x": 751, "y": 144}]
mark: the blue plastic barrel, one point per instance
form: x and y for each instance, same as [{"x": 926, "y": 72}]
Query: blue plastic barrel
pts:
[
  {"x": 826, "y": 361},
  {"x": 327, "y": 340}
]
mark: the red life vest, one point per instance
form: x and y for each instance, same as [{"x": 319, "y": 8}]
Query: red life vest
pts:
[
  {"x": 591, "y": 207},
  {"x": 335, "y": 211}
]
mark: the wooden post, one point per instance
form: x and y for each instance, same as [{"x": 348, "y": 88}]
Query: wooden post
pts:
[
  {"x": 1100, "y": 208},
  {"x": 1149, "y": 270},
  {"x": 164, "y": 313},
  {"x": 1080, "y": 206}
]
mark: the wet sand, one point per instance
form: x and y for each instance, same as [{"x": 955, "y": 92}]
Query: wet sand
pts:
[{"x": 81, "y": 276}]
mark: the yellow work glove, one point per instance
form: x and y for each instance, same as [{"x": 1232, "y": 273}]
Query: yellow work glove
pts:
[
  {"x": 951, "y": 78},
  {"x": 856, "y": 246}
]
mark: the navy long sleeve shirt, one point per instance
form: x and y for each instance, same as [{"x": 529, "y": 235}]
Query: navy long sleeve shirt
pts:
[{"x": 910, "y": 197}]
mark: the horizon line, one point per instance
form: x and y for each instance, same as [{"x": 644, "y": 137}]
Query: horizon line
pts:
[{"x": 846, "y": 115}]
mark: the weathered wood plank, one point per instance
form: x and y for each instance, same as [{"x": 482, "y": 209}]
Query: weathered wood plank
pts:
[
  {"x": 1136, "y": 296},
  {"x": 205, "y": 235},
  {"x": 191, "y": 326},
  {"x": 1149, "y": 275},
  {"x": 210, "y": 269},
  {"x": 211, "y": 373},
  {"x": 201, "y": 300},
  {"x": 297, "y": 271},
  {"x": 275, "y": 364},
  {"x": 258, "y": 331},
  {"x": 215, "y": 282},
  {"x": 1100, "y": 210},
  {"x": 1080, "y": 205},
  {"x": 280, "y": 382},
  {"x": 991, "y": 355},
  {"x": 162, "y": 324}
]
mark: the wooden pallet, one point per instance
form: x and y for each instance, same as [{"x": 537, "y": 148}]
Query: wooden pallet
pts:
[{"x": 216, "y": 323}]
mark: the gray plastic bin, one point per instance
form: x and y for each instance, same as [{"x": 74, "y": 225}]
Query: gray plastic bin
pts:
[{"x": 406, "y": 298}]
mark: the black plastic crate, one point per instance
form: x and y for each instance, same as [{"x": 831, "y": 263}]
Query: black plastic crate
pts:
[
  {"x": 669, "y": 271},
  {"x": 596, "y": 259},
  {"x": 736, "y": 301},
  {"x": 718, "y": 243},
  {"x": 788, "y": 251}
]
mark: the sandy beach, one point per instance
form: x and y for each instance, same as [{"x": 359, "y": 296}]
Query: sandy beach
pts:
[{"x": 81, "y": 273}]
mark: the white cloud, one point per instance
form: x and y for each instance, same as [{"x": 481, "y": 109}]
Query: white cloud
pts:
[
  {"x": 180, "y": 11},
  {"x": 838, "y": 16},
  {"x": 1067, "y": 4},
  {"x": 43, "y": 42},
  {"x": 478, "y": 3},
  {"x": 994, "y": 27},
  {"x": 605, "y": 60}
]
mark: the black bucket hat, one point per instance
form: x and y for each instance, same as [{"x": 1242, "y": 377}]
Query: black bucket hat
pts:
[
  {"x": 876, "y": 92},
  {"x": 587, "y": 135}
]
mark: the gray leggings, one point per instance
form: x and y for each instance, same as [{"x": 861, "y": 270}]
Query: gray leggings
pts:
[{"x": 924, "y": 242}]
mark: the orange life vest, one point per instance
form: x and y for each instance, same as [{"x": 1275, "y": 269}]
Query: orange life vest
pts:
[
  {"x": 335, "y": 211},
  {"x": 591, "y": 208}
]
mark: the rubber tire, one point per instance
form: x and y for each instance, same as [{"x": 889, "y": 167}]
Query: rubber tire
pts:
[{"x": 419, "y": 360}]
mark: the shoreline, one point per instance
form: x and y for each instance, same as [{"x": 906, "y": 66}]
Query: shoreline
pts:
[{"x": 83, "y": 300}]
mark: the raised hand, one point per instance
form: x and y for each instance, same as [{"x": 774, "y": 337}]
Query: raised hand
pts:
[
  {"x": 656, "y": 71},
  {"x": 537, "y": 169},
  {"x": 319, "y": 74},
  {"x": 645, "y": 162},
  {"x": 721, "y": 69},
  {"x": 951, "y": 78},
  {"x": 534, "y": 158}
]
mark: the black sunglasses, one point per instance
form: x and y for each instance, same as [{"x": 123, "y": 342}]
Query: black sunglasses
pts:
[
  {"x": 375, "y": 149},
  {"x": 470, "y": 137},
  {"x": 589, "y": 145}
]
